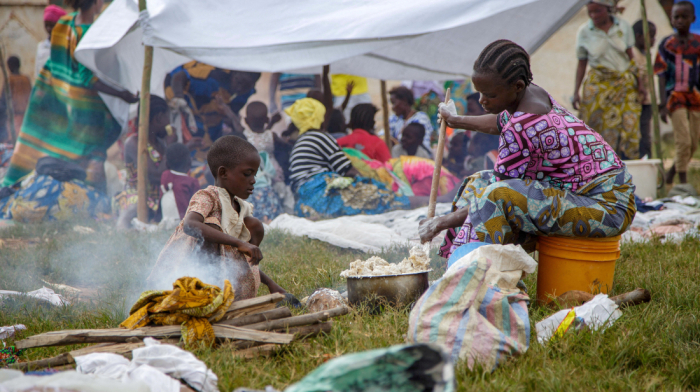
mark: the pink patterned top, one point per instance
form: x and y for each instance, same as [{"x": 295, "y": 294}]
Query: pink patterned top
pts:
[{"x": 555, "y": 147}]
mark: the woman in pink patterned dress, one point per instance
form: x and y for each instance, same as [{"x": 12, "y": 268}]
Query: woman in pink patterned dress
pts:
[{"x": 554, "y": 176}]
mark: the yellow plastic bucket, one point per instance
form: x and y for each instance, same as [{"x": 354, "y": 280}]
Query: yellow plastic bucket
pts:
[{"x": 575, "y": 264}]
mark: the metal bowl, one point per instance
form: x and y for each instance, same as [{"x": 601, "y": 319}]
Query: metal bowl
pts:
[{"x": 394, "y": 290}]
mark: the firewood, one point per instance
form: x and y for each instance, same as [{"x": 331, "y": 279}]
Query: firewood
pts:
[
  {"x": 258, "y": 351},
  {"x": 240, "y": 308},
  {"x": 632, "y": 298},
  {"x": 297, "y": 321},
  {"x": 576, "y": 298},
  {"x": 309, "y": 331},
  {"x": 120, "y": 335},
  {"x": 273, "y": 314},
  {"x": 62, "y": 359}
]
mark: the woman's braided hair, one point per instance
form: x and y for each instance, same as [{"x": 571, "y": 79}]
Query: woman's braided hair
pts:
[
  {"x": 507, "y": 59},
  {"x": 362, "y": 116}
]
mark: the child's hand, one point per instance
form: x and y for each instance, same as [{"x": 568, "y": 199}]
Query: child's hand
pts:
[
  {"x": 663, "y": 113},
  {"x": 251, "y": 251},
  {"x": 349, "y": 87}
]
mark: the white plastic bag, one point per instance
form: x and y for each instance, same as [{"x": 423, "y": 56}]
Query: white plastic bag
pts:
[{"x": 598, "y": 313}]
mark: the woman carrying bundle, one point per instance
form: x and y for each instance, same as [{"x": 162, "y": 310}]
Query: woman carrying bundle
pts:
[{"x": 554, "y": 175}]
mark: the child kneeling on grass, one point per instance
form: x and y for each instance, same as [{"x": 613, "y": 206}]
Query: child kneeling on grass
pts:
[{"x": 219, "y": 237}]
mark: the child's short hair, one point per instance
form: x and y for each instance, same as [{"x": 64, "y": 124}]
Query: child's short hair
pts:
[
  {"x": 418, "y": 128},
  {"x": 177, "y": 157},
  {"x": 13, "y": 64},
  {"x": 228, "y": 151},
  {"x": 484, "y": 143},
  {"x": 506, "y": 59},
  {"x": 687, "y": 4},
  {"x": 638, "y": 27}
]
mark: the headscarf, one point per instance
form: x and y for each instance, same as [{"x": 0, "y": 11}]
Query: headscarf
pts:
[
  {"x": 306, "y": 113},
  {"x": 53, "y": 13}
]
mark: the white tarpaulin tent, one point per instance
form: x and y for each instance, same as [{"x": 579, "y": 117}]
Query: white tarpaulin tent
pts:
[{"x": 389, "y": 39}]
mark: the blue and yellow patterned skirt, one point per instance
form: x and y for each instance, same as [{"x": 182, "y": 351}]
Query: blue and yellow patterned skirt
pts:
[{"x": 328, "y": 195}]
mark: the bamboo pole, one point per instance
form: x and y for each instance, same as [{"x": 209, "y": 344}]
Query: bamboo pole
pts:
[
  {"x": 652, "y": 86},
  {"x": 144, "y": 113},
  {"x": 438, "y": 163},
  {"x": 8, "y": 97},
  {"x": 385, "y": 114}
]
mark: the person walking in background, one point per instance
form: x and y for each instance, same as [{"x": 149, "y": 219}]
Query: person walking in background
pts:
[
  {"x": 66, "y": 117},
  {"x": 640, "y": 60},
  {"x": 678, "y": 71},
  {"x": 21, "y": 89},
  {"x": 609, "y": 102},
  {"x": 52, "y": 14},
  {"x": 402, "y": 105}
]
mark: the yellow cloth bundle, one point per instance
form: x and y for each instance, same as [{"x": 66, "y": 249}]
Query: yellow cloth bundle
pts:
[
  {"x": 191, "y": 303},
  {"x": 306, "y": 113}
]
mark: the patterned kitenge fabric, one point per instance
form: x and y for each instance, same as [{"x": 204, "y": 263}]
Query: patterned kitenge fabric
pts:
[
  {"x": 680, "y": 65},
  {"x": 610, "y": 105},
  {"x": 129, "y": 196},
  {"x": 191, "y": 303},
  {"x": 66, "y": 117},
  {"x": 329, "y": 195},
  {"x": 418, "y": 172},
  {"x": 555, "y": 147},
  {"x": 516, "y": 211},
  {"x": 41, "y": 197}
]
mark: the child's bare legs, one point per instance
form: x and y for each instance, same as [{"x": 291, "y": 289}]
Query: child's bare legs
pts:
[{"x": 686, "y": 126}]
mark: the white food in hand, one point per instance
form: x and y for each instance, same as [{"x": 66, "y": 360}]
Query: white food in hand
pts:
[{"x": 417, "y": 261}]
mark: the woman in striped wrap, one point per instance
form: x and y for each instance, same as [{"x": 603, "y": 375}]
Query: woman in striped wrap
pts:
[{"x": 66, "y": 117}]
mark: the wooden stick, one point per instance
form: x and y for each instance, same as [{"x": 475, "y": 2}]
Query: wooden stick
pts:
[
  {"x": 652, "y": 86},
  {"x": 8, "y": 97},
  {"x": 240, "y": 308},
  {"x": 576, "y": 298},
  {"x": 120, "y": 335},
  {"x": 309, "y": 331},
  {"x": 273, "y": 314},
  {"x": 144, "y": 119},
  {"x": 59, "y": 360},
  {"x": 79, "y": 336},
  {"x": 258, "y": 351},
  {"x": 438, "y": 164},
  {"x": 236, "y": 333},
  {"x": 385, "y": 114},
  {"x": 306, "y": 319}
]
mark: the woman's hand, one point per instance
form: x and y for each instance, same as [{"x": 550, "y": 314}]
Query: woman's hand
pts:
[
  {"x": 251, "y": 251},
  {"x": 576, "y": 101},
  {"x": 429, "y": 228},
  {"x": 448, "y": 113}
]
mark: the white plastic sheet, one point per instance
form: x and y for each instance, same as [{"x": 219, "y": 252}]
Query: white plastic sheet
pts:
[
  {"x": 43, "y": 294},
  {"x": 157, "y": 365},
  {"x": 368, "y": 233},
  {"x": 390, "y": 39}
]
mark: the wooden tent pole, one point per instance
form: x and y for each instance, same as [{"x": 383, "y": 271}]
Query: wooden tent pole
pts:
[
  {"x": 8, "y": 97},
  {"x": 652, "y": 86},
  {"x": 144, "y": 116},
  {"x": 438, "y": 163},
  {"x": 385, "y": 115}
]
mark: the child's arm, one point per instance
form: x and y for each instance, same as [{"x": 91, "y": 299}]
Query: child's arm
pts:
[
  {"x": 194, "y": 226},
  {"x": 257, "y": 231}
]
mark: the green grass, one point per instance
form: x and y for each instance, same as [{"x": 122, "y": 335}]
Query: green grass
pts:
[{"x": 654, "y": 346}]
